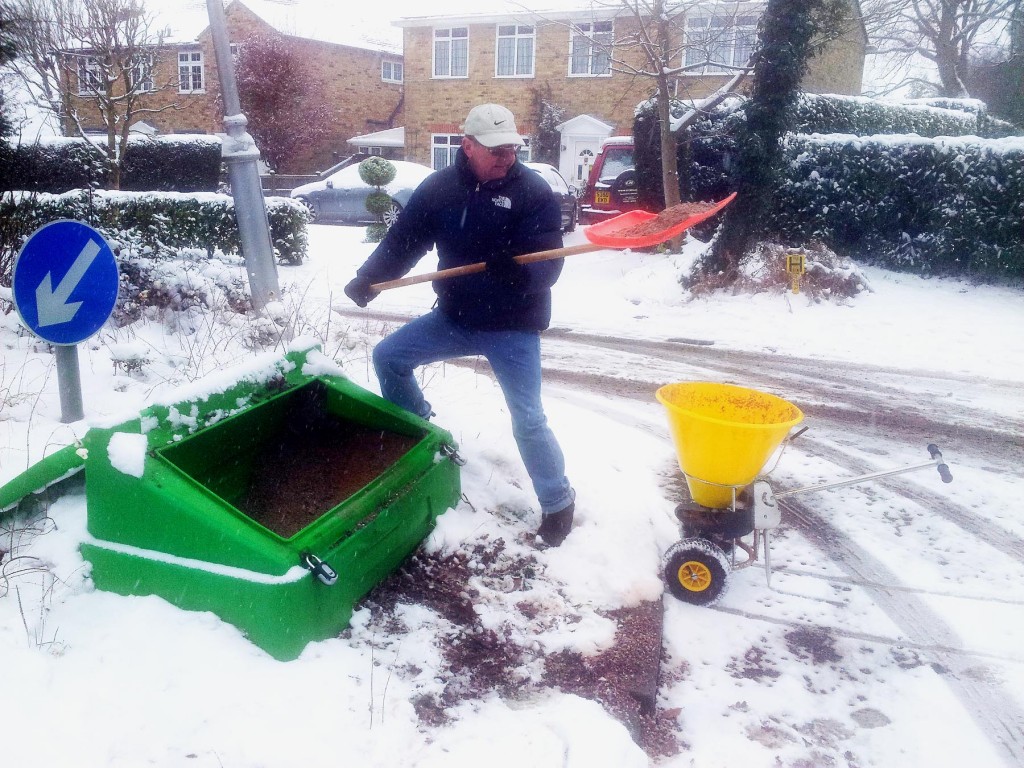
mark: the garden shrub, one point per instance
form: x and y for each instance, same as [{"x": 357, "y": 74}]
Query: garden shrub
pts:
[
  {"x": 158, "y": 223},
  {"x": 173, "y": 163},
  {"x": 950, "y": 205},
  {"x": 377, "y": 172}
]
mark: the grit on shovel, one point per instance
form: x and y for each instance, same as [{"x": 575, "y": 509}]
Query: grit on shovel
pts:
[{"x": 636, "y": 229}]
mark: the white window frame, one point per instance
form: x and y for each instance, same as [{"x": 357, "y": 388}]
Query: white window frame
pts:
[
  {"x": 589, "y": 33},
  {"x": 451, "y": 36},
  {"x": 141, "y": 75},
  {"x": 524, "y": 154},
  {"x": 733, "y": 36},
  {"x": 193, "y": 63},
  {"x": 520, "y": 35},
  {"x": 90, "y": 77},
  {"x": 441, "y": 142},
  {"x": 392, "y": 71}
]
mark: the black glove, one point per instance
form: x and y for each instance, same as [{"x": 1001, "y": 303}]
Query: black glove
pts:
[
  {"x": 360, "y": 292},
  {"x": 503, "y": 268}
]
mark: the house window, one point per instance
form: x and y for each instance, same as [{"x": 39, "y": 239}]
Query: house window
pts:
[
  {"x": 717, "y": 43},
  {"x": 391, "y": 71},
  {"x": 370, "y": 151},
  {"x": 524, "y": 153},
  {"x": 141, "y": 76},
  {"x": 514, "y": 51},
  {"x": 442, "y": 149},
  {"x": 90, "y": 77},
  {"x": 451, "y": 52},
  {"x": 190, "y": 72},
  {"x": 590, "y": 49}
]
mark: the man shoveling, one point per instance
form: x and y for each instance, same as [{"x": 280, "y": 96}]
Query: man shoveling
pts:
[{"x": 485, "y": 206}]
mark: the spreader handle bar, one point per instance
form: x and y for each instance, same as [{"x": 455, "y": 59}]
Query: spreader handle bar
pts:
[
  {"x": 935, "y": 462},
  {"x": 943, "y": 468}
]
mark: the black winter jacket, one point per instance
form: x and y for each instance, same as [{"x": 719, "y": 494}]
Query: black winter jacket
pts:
[{"x": 469, "y": 222}]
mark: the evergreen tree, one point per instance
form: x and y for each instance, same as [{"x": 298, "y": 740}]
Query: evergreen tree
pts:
[{"x": 788, "y": 35}]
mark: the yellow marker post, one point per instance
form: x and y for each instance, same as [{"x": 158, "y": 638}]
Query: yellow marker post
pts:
[{"x": 795, "y": 267}]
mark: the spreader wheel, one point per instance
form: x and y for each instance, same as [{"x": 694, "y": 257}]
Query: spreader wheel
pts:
[{"x": 695, "y": 571}]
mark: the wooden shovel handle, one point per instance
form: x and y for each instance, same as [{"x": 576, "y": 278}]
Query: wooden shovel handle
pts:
[{"x": 480, "y": 266}]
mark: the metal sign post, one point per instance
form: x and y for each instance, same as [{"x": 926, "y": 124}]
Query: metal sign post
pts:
[
  {"x": 65, "y": 285},
  {"x": 240, "y": 155}
]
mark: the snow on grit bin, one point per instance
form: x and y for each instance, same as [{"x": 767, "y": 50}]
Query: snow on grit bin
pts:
[{"x": 251, "y": 499}]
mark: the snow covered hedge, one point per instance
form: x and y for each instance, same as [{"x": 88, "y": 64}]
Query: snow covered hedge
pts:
[
  {"x": 865, "y": 117},
  {"x": 950, "y": 205},
  {"x": 179, "y": 163},
  {"x": 160, "y": 223},
  {"x": 942, "y": 205}
]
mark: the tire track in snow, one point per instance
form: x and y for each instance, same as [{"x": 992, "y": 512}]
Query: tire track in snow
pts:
[
  {"x": 995, "y": 712},
  {"x": 971, "y": 522},
  {"x": 889, "y": 409}
]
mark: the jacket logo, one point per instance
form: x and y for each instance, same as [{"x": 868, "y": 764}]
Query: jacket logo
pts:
[{"x": 502, "y": 202}]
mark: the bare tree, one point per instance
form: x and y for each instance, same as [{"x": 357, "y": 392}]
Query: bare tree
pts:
[
  {"x": 8, "y": 49},
  {"x": 92, "y": 62},
  {"x": 951, "y": 34},
  {"x": 667, "y": 49},
  {"x": 669, "y": 38}
]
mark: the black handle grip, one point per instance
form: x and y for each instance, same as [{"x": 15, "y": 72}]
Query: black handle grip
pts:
[{"x": 940, "y": 465}]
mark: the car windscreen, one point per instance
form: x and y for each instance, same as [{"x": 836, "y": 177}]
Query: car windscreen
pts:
[{"x": 616, "y": 160}]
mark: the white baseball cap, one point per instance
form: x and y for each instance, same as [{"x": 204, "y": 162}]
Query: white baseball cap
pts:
[{"x": 492, "y": 125}]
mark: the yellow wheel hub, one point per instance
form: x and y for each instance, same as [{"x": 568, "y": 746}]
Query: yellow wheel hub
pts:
[{"x": 694, "y": 576}]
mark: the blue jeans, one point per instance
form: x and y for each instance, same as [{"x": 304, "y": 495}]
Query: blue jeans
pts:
[{"x": 514, "y": 357}]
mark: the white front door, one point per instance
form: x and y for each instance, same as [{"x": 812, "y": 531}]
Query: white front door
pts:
[{"x": 581, "y": 156}]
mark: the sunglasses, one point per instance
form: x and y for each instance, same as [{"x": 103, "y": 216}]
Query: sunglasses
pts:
[{"x": 509, "y": 150}]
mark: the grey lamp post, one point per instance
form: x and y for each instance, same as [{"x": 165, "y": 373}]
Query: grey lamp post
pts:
[{"x": 240, "y": 154}]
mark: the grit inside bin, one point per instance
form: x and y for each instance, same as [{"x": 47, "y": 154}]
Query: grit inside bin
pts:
[
  {"x": 723, "y": 435},
  {"x": 222, "y": 520}
]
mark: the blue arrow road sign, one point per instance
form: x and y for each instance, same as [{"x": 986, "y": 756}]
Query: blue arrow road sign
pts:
[{"x": 65, "y": 282}]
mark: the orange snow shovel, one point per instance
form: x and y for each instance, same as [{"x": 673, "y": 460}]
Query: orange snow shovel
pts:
[{"x": 636, "y": 229}]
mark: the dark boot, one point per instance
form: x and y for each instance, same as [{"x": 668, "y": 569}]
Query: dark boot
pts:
[{"x": 556, "y": 526}]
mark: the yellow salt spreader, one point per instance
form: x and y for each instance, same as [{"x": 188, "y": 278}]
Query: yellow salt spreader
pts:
[{"x": 724, "y": 435}]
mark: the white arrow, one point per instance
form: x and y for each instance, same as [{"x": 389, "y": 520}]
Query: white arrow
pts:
[{"x": 52, "y": 305}]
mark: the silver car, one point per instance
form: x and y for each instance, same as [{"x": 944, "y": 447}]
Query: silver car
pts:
[{"x": 341, "y": 197}]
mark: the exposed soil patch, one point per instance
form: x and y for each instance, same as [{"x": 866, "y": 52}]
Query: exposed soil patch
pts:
[
  {"x": 624, "y": 678},
  {"x": 818, "y": 644},
  {"x": 315, "y": 465},
  {"x": 755, "y": 665},
  {"x": 483, "y": 661}
]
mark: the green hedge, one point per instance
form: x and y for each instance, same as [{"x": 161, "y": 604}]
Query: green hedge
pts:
[
  {"x": 173, "y": 163},
  {"x": 947, "y": 205},
  {"x": 867, "y": 117},
  {"x": 160, "y": 222},
  {"x": 933, "y": 206}
]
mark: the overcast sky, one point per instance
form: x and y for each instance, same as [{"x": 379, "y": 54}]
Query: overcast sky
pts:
[{"x": 367, "y": 24}]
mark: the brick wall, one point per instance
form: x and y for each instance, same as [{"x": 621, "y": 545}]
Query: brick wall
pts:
[
  {"x": 439, "y": 105},
  {"x": 351, "y": 77}
]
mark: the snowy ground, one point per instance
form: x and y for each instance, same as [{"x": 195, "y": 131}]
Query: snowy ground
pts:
[{"x": 818, "y": 670}]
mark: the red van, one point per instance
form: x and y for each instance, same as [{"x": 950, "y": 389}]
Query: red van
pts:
[{"x": 611, "y": 186}]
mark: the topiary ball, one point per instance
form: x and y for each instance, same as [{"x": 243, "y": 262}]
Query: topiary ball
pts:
[{"x": 377, "y": 172}]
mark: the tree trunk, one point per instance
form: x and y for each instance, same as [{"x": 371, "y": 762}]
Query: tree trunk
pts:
[{"x": 787, "y": 30}]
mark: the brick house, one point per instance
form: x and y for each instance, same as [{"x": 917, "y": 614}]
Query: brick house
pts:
[
  {"x": 454, "y": 62},
  {"x": 364, "y": 87}
]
